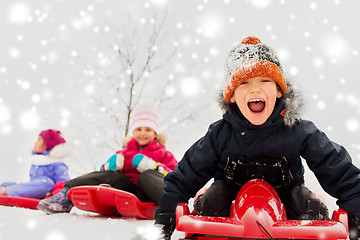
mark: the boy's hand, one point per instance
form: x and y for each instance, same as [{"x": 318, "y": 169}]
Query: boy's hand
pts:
[
  {"x": 354, "y": 227},
  {"x": 114, "y": 163},
  {"x": 166, "y": 221}
]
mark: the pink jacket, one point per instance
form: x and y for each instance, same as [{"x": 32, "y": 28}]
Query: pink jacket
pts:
[{"x": 154, "y": 151}]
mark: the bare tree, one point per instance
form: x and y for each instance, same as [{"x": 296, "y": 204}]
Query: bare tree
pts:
[
  {"x": 132, "y": 69},
  {"x": 138, "y": 54}
]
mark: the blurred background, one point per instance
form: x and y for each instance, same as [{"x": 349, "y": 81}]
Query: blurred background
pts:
[{"x": 82, "y": 66}]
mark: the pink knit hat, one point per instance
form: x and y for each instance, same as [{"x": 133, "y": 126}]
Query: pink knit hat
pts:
[
  {"x": 144, "y": 116},
  {"x": 51, "y": 138}
]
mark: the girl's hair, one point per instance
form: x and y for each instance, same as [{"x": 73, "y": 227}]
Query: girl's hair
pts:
[{"x": 161, "y": 138}]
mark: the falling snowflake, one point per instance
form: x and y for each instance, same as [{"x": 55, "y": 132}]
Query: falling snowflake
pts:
[
  {"x": 4, "y": 113},
  {"x": 35, "y": 98},
  {"x": 64, "y": 122},
  {"x": 5, "y": 129},
  {"x": 89, "y": 89},
  {"x": 283, "y": 54},
  {"x": 29, "y": 120},
  {"x": 14, "y": 53},
  {"x": 25, "y": 85},
  {"x": 313, "y": 5},
  {"x": 293, "y": 71},
  {"x": 321, "y": 105},
  {"x": 190, "y": 86},
  {"x": 211, "y": 25},
  {"x": 19, "y": 13},
  {"x": 260, "y": 3},
  {"x": 170, "y": 91},
  {"x": 148, "y": 232},
  {"x": 318, "y": 62},
  {"x": 84, "y": 21},
  {"x": 31, "y": 224},
  {"x": 352, "y": 125},
  {"x": 336, "y": 47},
  {"x": 55, "y": 235},
  {"x": 65, "y": 113}
]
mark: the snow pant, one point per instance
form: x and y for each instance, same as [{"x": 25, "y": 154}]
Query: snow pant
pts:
[
  {"x": 36, "y": 188},
  {"x": 150, "y": 185},
  {"x": 115, "y": 179},
  {"x": 299, "y": 202},
  {"x": 148, "y": 188}
]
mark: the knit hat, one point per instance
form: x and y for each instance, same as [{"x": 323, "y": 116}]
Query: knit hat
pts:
[
  {"x": 144, "y": 116},
  {"x": 251, "y": 59},
  {"x": 51, "y": 138}
]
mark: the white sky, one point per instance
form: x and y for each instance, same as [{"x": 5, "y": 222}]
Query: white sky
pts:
[{"x": 42, "y": 85}]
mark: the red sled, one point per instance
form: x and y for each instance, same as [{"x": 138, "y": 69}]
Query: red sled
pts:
[
  {"x": 257, "y": 213},
  {"x": 22, "y": 202},
  {"x": 110, "y": 201},
  {"x": 30, "y": 203}
]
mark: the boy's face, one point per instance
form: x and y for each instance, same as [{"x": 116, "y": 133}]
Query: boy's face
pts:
[
  {"x": 256, "y": 99},
  {"x": 144, "y": 135},
  {"x": 40, "y": 145}
]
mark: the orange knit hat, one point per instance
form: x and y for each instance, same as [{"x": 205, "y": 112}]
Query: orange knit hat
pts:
[{"x": 251, "y": 59}]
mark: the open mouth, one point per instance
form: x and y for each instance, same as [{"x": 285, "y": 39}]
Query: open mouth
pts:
[{"x": 256, "y": 105}]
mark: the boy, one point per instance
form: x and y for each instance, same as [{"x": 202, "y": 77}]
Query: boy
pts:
[{"x": 260, "y": 131}]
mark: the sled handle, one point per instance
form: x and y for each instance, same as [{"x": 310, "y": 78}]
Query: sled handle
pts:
[
  {"x": 341, "y": 216},
  {"x": 181, "y": 210},
  {"x": 105, "y": 185}
]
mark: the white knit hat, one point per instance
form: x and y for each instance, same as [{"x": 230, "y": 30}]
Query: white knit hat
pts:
[{"x": 144, "y": 116}]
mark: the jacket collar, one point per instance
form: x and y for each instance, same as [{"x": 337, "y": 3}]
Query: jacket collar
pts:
[
  {"x": 59, "y": 151},
  {"x": 132, "y": 144}
]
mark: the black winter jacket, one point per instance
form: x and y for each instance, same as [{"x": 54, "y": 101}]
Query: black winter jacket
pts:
[{"x": 234, "y": 136}]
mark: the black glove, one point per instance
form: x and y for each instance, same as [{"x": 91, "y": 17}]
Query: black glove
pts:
[
  {"x": 354, "y": 227},
  {"x": 315, "y": 210},
  {"x": 166, "y": 220}
]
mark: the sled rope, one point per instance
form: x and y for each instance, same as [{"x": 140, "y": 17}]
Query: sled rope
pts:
[{"x": 263, "y": 228}]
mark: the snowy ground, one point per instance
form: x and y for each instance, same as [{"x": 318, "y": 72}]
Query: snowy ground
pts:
[{"x": 20, "y": 223}]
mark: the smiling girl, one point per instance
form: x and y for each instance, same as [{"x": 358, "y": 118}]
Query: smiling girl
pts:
[{"x": 137, "y": 168}]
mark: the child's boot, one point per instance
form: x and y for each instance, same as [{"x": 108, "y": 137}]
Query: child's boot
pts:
[
  {"x": 59, "y": 203},
  {"x": 143, "y": 163}
]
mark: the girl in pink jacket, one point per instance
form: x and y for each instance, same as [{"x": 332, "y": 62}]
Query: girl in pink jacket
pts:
[{"x": 139, "y": 168}]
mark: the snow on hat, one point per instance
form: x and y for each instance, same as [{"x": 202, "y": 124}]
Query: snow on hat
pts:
[
  {"x": 51, "y": 138},
  {"x": 144, "y": 116},
  {"x": 251, "y": 59}
]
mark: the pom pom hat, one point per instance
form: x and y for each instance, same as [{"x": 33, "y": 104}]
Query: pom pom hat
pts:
[
  {"x": 251, "y": 59},
  {"x": 145, "y": 116},
  {"x": 51, "y": 138}
]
